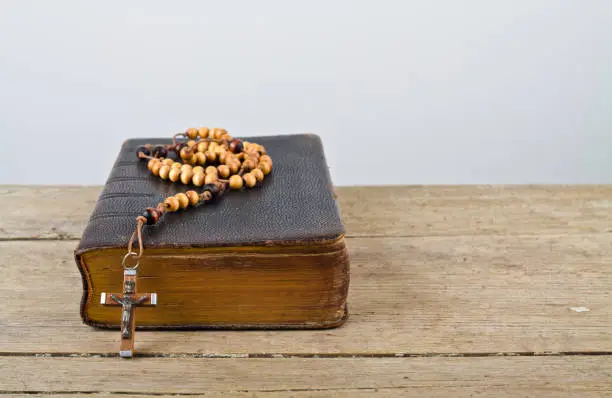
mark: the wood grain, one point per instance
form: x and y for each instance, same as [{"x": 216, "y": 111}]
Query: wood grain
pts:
[
  {"x": 366, "y": 211},
  {"x": 410, "y": 377},
  {"x": 455, "y": 291},
  {"x": 464, "y": 295}
]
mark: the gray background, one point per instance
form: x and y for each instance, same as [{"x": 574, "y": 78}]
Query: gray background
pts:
[{"x": 418, "y": 92}]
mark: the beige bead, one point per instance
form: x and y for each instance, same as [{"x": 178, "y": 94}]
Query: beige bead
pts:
[
  {"x": 186, "y": 176},
  {"x": 186, "y": 153},
  {"x": 192, "y": 133},
  {"x": 155, "y": 169},
  {"x": 171, "y": 203},
  {"x": 235, "y": 182},
  {"x": 210, "y": 178},
  {"x": 198, "y": 179},
  {"x": 201, "y": 158},
  {"x": 193, "y": 161},
  {"x": 177, "y": 165},
  {"x": 249, "y": 164},
  {"x": 259, "y": 175},
  {"x": 222, "y": 157},
  {"x": 226, "y": 137},
  {"x": 249, "y": 180},
  {"x": 265, "y": 159},
  {"x": 213, "y": 146},
  {"x": 203, "y": 132},
  {"x": 174, "y": 175},
  {"x": 224, "y": 171},
  {"x": 186, "y": 167},
  {"x": 191, "y": 144},
  {"x": 193, "y": 196},
  {"x": 265, "y": 167},
  {"x": 169, "y": 162},
  {"x": 218, "y": 133},
  {"x": 211, "y": 170},
  {"x": 202, "y": 146},
  {"x": 164, "y": 171},
  {"x": 211, "y": 156},
  {"x": 198, "y": 169},
  {"x": 182, "y": 199},
  {"x": 234, "y": 166},
  {"x": 151, "y": 163}
]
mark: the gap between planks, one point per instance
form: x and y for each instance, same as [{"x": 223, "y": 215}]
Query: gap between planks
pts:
[{"x": 541, "y": 376}]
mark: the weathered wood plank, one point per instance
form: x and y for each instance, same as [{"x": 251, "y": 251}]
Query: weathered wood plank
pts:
[
  {"x": 536, "y": 376},
  {"x": 62, "y": 212},
  {"x": 475, "y": 294}
]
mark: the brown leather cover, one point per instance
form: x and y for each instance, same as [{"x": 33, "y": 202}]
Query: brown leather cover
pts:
[{"x": 293, "y": 211}]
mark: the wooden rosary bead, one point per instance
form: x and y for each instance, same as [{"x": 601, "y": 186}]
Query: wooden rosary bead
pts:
[
  {"x": 186, "y": 167},
  {"x": 192, "y": 133},
  {"x": 210, "y": 178},
  {"x": 266, "y": 159},
  {"x": 144, "y": 150},
  {"x": 249, "y": 180},
  {"x": 182, "y": 199},
  {"x": 198, "y": 169},
  {"x": 234, "y": 166},
  {"x": 151, "y": 163},
  {"x": 152, "y": 215},
  {"x": 222, "y": 157},
  {"x": 236, "y": 146},
  {"x": 265, "y": 167},
  {"x": 215, "y": 189},
  {"x": 164, "y": 171},
  {"x": 211, "y": 156},
  {"x": 259, "y": 175},
  {"x": 171, "y": 203},
  {"x": 186, "y": 176},
  {"x": 175, "y": 174},
  {"x": 224, "y": 171},
  {"x": 201, "y": 158},
  {"x": 235, "y": 182},
  {"x": 211, "y": 170},
  {"x": 198, "y": 179},
  {"x": 212, "y": 146},
  {"x": 186, "y": 153},
  {"x": 203, "y": 132},
  {"x": 159, "y": 151},
  {"x": 249, "y": 164},
  {"x": 202, "y": 146},
  {"x": 218, "y": 133},
  {"x": 193, "y": 196},
  {"x": 176, "y": 165},
  {"x": 155, "y": 168}
]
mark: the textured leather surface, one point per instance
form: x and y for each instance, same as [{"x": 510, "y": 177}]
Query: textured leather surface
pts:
[{"x": 294, "y": 205}]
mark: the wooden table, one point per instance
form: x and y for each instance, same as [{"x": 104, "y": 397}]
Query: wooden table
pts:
[{"x": 455, "y": 291}]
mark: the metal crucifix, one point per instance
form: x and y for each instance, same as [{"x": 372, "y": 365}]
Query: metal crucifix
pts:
[{"x": 128, "y": 300}]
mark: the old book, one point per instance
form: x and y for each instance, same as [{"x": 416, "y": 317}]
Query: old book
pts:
[{"x": 270, "y": 257}]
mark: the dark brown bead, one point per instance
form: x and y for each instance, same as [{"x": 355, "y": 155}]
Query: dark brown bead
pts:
[
  {"x": 236, "y": 146},
  {"x": 160, "y": 151},
  {"x": 144, "y": 150},
  {"x": 215, "y": 189},
  {"x": 152, "y": 215}
]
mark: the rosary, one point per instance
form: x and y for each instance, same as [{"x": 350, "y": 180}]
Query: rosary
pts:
[{"x": 230, "y": 163}]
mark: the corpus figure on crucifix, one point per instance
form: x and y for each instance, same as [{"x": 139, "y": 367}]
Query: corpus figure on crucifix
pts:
[{"x": 128, "y": 301}]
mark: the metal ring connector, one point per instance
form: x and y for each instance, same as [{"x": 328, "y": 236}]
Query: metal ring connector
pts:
[{"x": 130, "y": 254}]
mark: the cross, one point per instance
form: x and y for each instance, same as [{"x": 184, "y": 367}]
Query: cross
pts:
[{"x": 128, "y": 300}]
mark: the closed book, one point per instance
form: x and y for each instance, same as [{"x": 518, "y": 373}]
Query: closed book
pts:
[{"x": 269, "y": 257}]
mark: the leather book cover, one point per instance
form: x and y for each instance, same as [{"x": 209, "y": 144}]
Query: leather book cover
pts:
[{"x": 270, "y": 257}]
